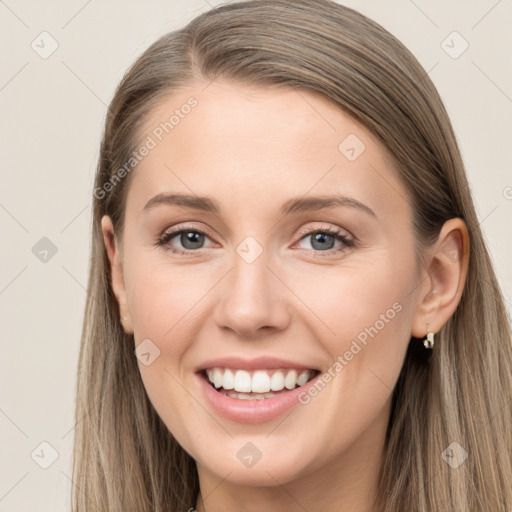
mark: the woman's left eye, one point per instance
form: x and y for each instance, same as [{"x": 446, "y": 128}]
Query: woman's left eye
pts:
[
  {"x": 320, "y": 240},
  {"x": 324, "y": 240}
]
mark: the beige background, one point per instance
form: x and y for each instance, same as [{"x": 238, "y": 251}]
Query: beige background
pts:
[{"x": 52, "y": 115}]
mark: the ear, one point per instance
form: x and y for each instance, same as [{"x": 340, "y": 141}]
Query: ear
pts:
[
  {"x": 443, "y": 279},
  {"x": 116, "y": 272}
]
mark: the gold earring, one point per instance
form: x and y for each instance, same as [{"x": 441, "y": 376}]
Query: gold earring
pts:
[{"x": 429, "y": 340}]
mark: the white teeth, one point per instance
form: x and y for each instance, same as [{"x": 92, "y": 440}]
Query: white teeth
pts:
[
  {"x": 303, "y": 378},
  {"x": 243, "y": 381},
  {"x": 217, "y": 377},
  {"x": 277, "y": 381},
  {"x": 245, "y": 396},
  {"x": 291, "y": 379},
  {"x": 259, "y": 382},
  {"x": 228, "y": 382}
]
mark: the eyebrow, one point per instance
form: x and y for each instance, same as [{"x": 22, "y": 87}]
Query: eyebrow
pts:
[{"x": 294, "y": 205}]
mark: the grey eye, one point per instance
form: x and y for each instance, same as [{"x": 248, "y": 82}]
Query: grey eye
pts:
[{"x": 191, "y": 239}]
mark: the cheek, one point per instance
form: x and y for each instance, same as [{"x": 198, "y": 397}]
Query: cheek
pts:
[
  {"x": 164, "y": 298},
  {"x": 353, "y": 299},
  {"x": 366, "y": 313},
  {"x": 164, "y": 302},
  {"x": 365, "y": 327}
]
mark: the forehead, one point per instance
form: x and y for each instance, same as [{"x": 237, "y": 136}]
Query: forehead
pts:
[{"x": 244, "y": 144}]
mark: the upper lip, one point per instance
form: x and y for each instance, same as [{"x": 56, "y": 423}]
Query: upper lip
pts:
[{"x": 258, "y": 363}]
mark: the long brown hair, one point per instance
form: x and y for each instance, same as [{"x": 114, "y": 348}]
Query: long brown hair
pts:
[{"x": 125, "y": 459}]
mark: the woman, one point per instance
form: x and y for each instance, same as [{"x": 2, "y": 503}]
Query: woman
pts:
[{"x": 291, "y": 304}]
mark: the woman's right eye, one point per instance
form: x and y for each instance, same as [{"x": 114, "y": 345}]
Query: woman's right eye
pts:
[{"x": 190, "y": 240}]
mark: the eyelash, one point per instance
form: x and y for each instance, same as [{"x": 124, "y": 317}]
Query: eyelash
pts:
[{"x": 336, "y": 233}]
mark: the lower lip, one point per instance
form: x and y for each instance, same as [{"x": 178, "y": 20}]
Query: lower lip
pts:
[{"x": 252, "y": 411}]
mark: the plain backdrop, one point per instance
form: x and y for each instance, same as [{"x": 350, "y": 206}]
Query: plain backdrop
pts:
[{"x": 52, "y": 113}]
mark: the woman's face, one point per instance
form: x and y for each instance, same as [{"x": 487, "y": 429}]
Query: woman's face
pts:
[{"x": 297, "y": 253}]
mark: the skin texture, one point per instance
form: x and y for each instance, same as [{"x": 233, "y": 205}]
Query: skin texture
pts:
[{"x": 250, "y": 150}]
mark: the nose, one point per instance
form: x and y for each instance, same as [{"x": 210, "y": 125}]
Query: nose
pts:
[{"x": 252, "y": 299}]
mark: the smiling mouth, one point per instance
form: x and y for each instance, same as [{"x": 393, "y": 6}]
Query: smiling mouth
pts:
[{"x": 256, "y": 384}]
